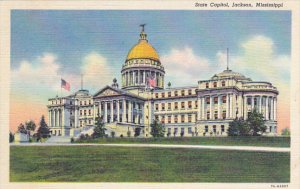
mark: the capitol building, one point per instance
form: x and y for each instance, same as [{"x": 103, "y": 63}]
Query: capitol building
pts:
[{"x": 203, "y": 109}]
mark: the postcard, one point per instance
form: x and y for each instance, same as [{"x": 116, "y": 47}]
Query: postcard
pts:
[{"x": 149, "y": 94}]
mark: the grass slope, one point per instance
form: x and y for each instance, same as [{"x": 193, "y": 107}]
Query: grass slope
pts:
[
  {"x": 124, "y": 164},
  {"x": 225, "y": 141}
]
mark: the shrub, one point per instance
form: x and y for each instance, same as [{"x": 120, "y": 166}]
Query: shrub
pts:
[
  {"x": 72, "y": 140},
  {"x": 113, "y": 134},
  {"x": 128, "y": 134},
  {"x": 182, "y": 134},
  {"x": 121, "y": 135}
]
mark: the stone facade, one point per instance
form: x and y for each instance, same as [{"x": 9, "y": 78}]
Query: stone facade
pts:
[{"x": 205, "y": 109}]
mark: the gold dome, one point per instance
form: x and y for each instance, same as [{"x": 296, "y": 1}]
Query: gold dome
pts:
[{"x": 142, "y": 50}]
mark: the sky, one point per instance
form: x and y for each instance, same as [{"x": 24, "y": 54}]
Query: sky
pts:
[{"x": 47, "y": 45}]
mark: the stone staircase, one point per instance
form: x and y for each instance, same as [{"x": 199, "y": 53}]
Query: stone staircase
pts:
[{"x": 58, "y": 140}]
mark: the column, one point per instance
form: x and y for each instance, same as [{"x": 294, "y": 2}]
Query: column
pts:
[
  {"x": 252, "y": 103},
  {"x": 129, "y": 112},
  {"x": 260, "y": 103},
  {"x": 99, "y": 109},
  {"x": 210, "y": 107},
  {"x": 112, "y": 111},
  {"x": 219, "y": 107},
  {"x": 231, "y": 106},
  {"x": 203, "y": 111},
  {"x": 144, "y": 82},
  {"x": 275, "y": 109},
  {"x": 124, "y": 111},
  {"x": 105, "y": 111},
  {"x": 75, "y": 117},
  {"x": 94, "y": 112},
  {"x": 133, "y": 77},
  {"x": 199, "y": 108},
  {"x": 245, "y": 106},
  {"x": 63, "y": 117},
  {"x": 118, "y": 110},
  {"x": 49, "y": 118},
  {"x": 267, "y": 108},
  {"x": 272, "y": 109},
  {"x": 227, "y": 106}
]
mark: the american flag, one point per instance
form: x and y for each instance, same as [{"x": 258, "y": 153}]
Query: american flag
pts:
[
  {"x": 151, "y": 82},
  {"x": 65, "y": 85}
]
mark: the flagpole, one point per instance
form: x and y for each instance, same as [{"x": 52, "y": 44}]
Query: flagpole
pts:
[{"x": 60, "y": 87}]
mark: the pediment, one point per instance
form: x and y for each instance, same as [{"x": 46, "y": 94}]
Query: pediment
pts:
[{"x": 107, "y": 92}]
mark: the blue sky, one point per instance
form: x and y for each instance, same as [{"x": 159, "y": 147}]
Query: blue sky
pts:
[{"x": 49, "y": 44}]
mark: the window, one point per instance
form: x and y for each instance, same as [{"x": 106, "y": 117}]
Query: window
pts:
[
  {"x": 224, "y": 114},
  {"x": 169, "y": 130},
  {"x": 189, "y": 118},
  {"x": 156, "y": 117},
  {"x": 84, "y": 112},
  {"x": 215, "y": 84},
  {"x": 89, "y": 112},
  {"x": 189, "y": 130},
  {"x": 163, "y": 95},
  {"x": 80, "y": 103},
  {"x": 176, "y": 93},
  {"x": 182, "y": 105},
  {"x": 215, "y": 100},
  {"x": 169, "y": 94},
  {"x": 169, "y": 106},
  {"x": 223, "y": 99},
  {"x": 84, "y": 102},
  {"x": 163, "y": 106},
  {"x": 223, "y": 83},
  {"x": 176, "y": 105},
  {"x": 156, "y": 107},
  {"x": 208, "y": 115},
  {"x": 182, "y": 92},
  {"x": 214, "y": 129},
  {"x": 89, "y": 102},
  {"x": 248, "y": 101},
  {"x": 162, "y": 119},
  {"x": 222, "y": 128},
  {"x": 175, "y": 131},
  {"x": 70, "y": 102},
  {"x": 176, "y": 119},
  {"x": 156, "y": 95},
  {"x": 190, "y": 92},
  {"x": 169, "y": 119},
  {"x": 216, "y": 115},
  {"x": 89, "y": 121},
  {"x": 255, "y": 101},
  {"x": 190, "y": 104},
  {"x": 80, "y": 112},
  {"x": 207, "y": 85},
  {"x": 182, "y": 118},
  {"x": 182, "y": 130},
  {"x": 206, "y": 128},
  {"x": 196, "y": 104},
  {"x": 207, "y": 100}
]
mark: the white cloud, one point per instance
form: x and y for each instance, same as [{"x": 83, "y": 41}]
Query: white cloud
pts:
[
  {"x": 41, "y": 73},
  {"x": 96, "y": 70},
  {"x": 184, "y": 67}
]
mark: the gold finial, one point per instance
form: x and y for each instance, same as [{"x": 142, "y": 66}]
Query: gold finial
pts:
[{"x": 143, "y": 35}]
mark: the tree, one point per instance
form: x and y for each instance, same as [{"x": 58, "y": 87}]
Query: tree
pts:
[
  {"x": 257, "y": 123},
  {"x": 285, "y": 132},
  {"x": 157, "y": 129},
  {"x": 22, "y": 129},
  {"x": 238, "y": 127},
  {"x": 43, "y": 131},
  {"x": 11, "y": 137},
  {"x": 254, "y": 125},
  {"x": 30, "y": 126},
  {"x": 169, "y": 84},
  {"x": 137, "y": 132},
  {"x": 99, "y": 130}
]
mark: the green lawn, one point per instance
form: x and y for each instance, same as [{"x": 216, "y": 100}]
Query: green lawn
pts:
[
  {"x": 229, "y": 141},
  {"x": 125, "y": 164}
]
